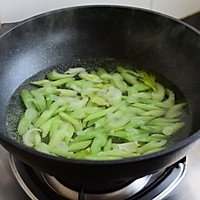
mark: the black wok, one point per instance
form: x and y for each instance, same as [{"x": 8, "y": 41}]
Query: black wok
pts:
[{"x": 128, "y": 35}]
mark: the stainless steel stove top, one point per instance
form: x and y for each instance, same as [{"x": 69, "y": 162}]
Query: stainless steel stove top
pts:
[{"x": 189, "y": 188}]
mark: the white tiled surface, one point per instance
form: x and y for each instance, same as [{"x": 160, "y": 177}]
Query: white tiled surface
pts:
[
  {"x": 16, "y": 10},
  {"x": 177, "y": 8}
]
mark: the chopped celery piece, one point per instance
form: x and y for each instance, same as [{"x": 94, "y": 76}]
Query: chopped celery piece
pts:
[
  {"x": 175, "y": 111},
  {"x": 171, "y": 129},
  {"x": 61, "y": 149},
  {"x": 23, "y": 125},
  {"x": 43, "y": 147},
  {"x": 159, "y": 94},
  {"x": 75, "y": 71},
  {"x": 152, "y": 145},
  {"x": 79, "y": 145},
  {"x": 27, "y": 98},
  {"x": 39, "y": 100},
  {"x": 129, "y": 147},
  {"x": 54, "y": 75},
  {"x": 32, "y": 137},
  {"x": 71, "y": 120},
  {"x": 130, "y": 79},
  {"x": 41, "y": 83},
  {"x": 101, "y": 113}
]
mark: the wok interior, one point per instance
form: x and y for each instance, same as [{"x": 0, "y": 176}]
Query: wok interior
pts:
[{"x": 16, "y": 106}]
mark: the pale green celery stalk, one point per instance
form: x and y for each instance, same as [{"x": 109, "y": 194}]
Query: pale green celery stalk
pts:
[
  {"x": 39, "y": 100},
  {"x": 90, "y": 77},
  {"x": 58, "y": 132},
  {"x": 149, "y": 101},
  {"x": 82, "y": 153},
  {"x": 102, "y": 113},
  {"x": 31, "y": 114},
  {"x": 74, "y": 71},
  {"x": 78, "y": 83},
  {"x": 119, "y": 153},
  {"x": 27, "y": 98},
  {"x": 163, "y": 104},
  {"x": 129, "y": 147},
  {"x": 171, "y": 97},
  {"x": 151, "y": 145},
  {"x": 49, "y": 100},
  {"x": 169, "y": 130},
  {"x": 119, "y": 83},
  {"x": 23, "y": 125},
  {"x": 103, "y": 74},
  {"x": 147, "y": 128},
  {"x": 129, "y": 136},
  {"x": 47, "y": 114},
  {"x": 143, "y": 118},
  {"x": 108, "y": 145},
  {"x": 155, "y": 113},
  {"x": 83, "y": 112},
  {"x": 61, "y": 149},
  {"x": 134, "y": 96},
  {"x": 175, "y": 111},
  {"x": 157, "y": 129},
  {"x": 60, "y": 109},
  {"x": 119, "y": 122},
  {"x": 153, "y": 150},
  {"x": 140, "y": 87},
  {"x": 60, "y": 82},
  {"x": 66, "y": 93},
  {"x": 88, "y": 135},
  {"x": 98, "y": 100},
  {"x": 42, "y": 147},
  {"x": 98, "y": 142},
  {"x": 55, "y": 126},
  {"x": 41, "y": 82},
  {"x": 148, "y": 79},
  {"x": 27, "y": 118},
  {"x": 46, "y": 90},
  {"x": 45, "y": 127},
  {"x": 32, "y": 137},
  {"x": 159, "y": 94},
  {"x": 79, "y": 145},
  {"x": 54, "y": 75},
  {"x": 113, "y": 96},
  {"x": 69, "y": 134},
  {"x": 90, "y": 123},
  {"x": 129, "y": 78},
  {"x": 154, "y": 137},
  {"x": 134, "y": 124},
  {"x": 101, "y": 71},
  {"x": 77, "y": 125},
  {"x": 100, "y": 122},
  {"x": 136, "y": 110},
  {"x": 121, "y": 70},
  {"x": 145, "y": 106},
  {"x": 161, "y": 121}
]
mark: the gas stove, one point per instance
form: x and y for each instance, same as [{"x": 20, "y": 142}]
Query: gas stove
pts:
[{"x": 180, "y": 181}]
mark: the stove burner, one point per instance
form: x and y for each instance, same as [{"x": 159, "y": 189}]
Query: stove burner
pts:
[
  {"x": 120, "y": 194},
  {"x": 38, "y": 185}
]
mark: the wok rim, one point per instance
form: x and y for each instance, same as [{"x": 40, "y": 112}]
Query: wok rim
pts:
[{"x": 175, "y": 147}]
